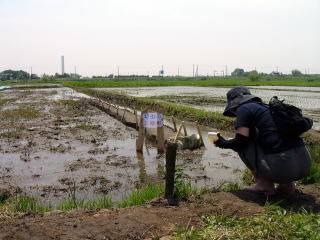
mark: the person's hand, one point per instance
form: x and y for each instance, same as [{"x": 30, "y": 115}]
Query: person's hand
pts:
[{"x": 221, "y": 142}]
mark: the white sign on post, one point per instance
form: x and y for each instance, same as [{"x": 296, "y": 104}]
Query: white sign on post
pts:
[{"x": 152, "y": 120}]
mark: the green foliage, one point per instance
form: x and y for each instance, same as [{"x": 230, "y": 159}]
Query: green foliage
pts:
[
  {"x": 274, "y": 224},
  {"x": 254, "y": 77},
  {"x": 11, "y": 74},
  {"x": 238, "y": 72},
  {"x": 296, "y": 73},
  {"x": 140, "y": 197},
  {"x": 182, "y": 188},
  {"x": 29, "y": 204}
]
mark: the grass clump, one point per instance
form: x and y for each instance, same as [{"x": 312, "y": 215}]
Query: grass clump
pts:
[
  {"x": 28, "y": 204},
  {"x": 87, "y": 127},
  {"x": 140, "y": 197},
  {"x": 73, "y": 201},
  {"x": 21, "y": 113},
  {"x": 7, "y": 100},
  {"x": 99, "y": 203},
  {"x": 274, "y": 224},
  {"x": 182, "y": 188},
  {"x": 247, "y": 177}
]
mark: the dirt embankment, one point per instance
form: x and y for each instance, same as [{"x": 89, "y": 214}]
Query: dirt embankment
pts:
[{"x": 152, "y": 221}]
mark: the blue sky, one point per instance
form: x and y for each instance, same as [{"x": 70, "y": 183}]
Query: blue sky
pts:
[{"x": 139, "y": 36}]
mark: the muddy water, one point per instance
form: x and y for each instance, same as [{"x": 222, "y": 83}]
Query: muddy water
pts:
[
  {"x": 52, "y": 152},
  {"x": 306, "y": 98}
]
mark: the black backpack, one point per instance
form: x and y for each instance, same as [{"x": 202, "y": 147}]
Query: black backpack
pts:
[{"x": 288, "y": 118}]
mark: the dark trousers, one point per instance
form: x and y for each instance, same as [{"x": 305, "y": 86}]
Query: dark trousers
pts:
[{"x": 283, "y": 167}]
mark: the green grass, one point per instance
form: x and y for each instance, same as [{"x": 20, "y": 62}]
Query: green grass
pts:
[
  {"x": 27, "y": 113},
  {"x": 183, "y": 188},
  {"x": 275, "y": 223},
  {"x": 213, "y": 119},
  {"x": 100, "y": 203},
  {"x": 28, "y": 204},
  {"x": 189, "y": 81},
  {"x": 73, "y": 203},
  {"x": 139, "y": 197}
]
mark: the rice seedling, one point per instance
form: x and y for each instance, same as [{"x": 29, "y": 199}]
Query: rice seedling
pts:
[
  {"x": 100, "y": 203},
  {"x": 141, "y": 196},
  {"x": 23, "y": 203}
]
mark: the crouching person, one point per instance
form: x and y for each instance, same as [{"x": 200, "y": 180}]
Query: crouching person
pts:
[{"x": 271, "y": 156}]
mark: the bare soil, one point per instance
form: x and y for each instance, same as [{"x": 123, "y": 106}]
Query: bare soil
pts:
[{"x": 152, "y": 221}]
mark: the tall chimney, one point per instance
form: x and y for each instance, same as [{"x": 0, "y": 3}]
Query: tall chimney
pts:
[{"x": 62, "y": 65}]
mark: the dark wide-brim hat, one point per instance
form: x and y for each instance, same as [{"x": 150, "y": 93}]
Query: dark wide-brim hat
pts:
[{"x": 237, "y": 96}]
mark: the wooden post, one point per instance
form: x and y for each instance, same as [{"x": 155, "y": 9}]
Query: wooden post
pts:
[
  {"x": 160, "y": 137},
  {"x": 199, "y": 132},
  {"x": 185, "y": 130},
  {"x": 177, "y": 134},
  {"x": 140, "y": 139},
  {"x": 171, "y": 154},
  {"x": 174, "y": 123},
  {"x": 124, "y": 112},
  {"x": 136, "y": 117}
]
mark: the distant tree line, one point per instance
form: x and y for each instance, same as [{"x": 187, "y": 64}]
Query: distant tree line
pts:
[
  {"x": 16, "y": 75},
  {"x": 254, "y": 75}
]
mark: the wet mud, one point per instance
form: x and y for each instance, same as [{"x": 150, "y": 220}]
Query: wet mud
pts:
[{"x": 51, "y": 139}]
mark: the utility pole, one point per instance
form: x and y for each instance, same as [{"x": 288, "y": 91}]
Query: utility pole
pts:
[
  {"x": 226, "y": 70},
  {"x": 197, "y": 71},
  {"x": 118, "y": 71},
  {"x": 75, "y": 71}
]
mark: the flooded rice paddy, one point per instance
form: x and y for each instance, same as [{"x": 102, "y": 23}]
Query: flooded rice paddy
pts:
[
  {"x": 214, "y": 98},
  {"x": 52, "y": 139}
]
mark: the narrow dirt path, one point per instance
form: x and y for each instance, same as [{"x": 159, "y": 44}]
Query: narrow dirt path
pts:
[{"x": 153, "y": 220}]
